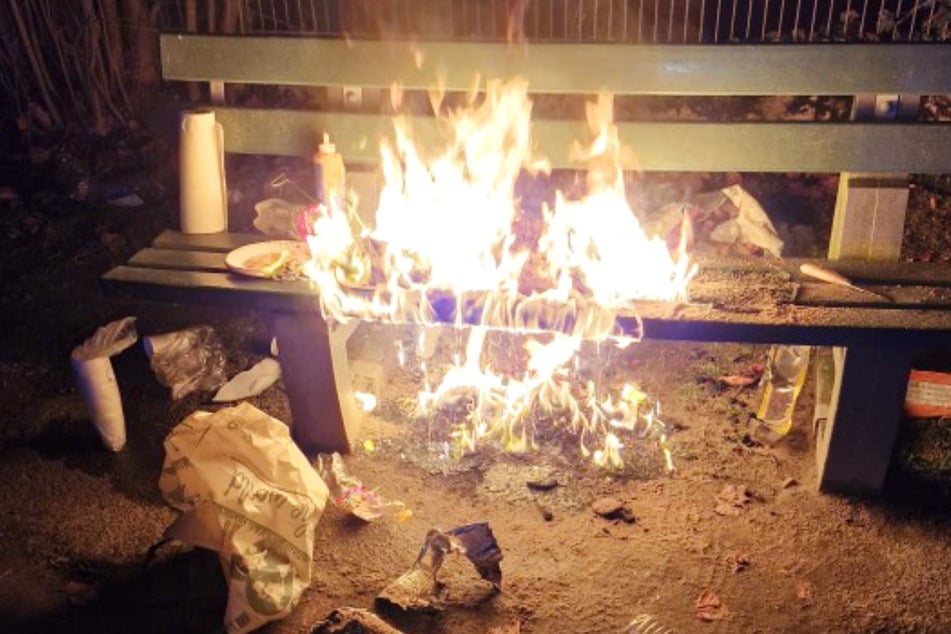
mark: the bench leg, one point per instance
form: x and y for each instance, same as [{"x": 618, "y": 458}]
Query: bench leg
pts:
[
  {"x": 869, "y": 219},
  {"x": 325, "y": 416},
  {"x": 854, "y": 444}
]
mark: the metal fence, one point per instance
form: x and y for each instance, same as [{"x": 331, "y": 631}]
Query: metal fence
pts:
[{"x": 621, "y": 21}]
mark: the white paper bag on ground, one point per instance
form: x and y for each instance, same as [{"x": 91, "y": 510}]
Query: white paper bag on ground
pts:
[
  {"x": 97, "y": 382},
  {"x": 251, "y": 382},
  {"x": 203, "y": 192},
  {"x": 248, "y": 493}
]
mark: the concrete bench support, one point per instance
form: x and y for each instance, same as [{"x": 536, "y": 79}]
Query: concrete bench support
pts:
[
  {"x": 316, "y": 375},
  {"x": 854, "y": 444}
]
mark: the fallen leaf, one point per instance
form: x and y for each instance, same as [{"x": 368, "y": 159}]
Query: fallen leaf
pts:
[
  {"x": 738, "y": 562},
  {"x": 79, "y": 593},
  {"x": 731, "y": 499},
  {"x": 708, "y": 607},
  {"x": 747, "y": 377},
  {"x": 805, "y": 593}
]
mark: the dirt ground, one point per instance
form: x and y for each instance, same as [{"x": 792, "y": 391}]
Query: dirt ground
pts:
[{"x": 77, "y": 521}]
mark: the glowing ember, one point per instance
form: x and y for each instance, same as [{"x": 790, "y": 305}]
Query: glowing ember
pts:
[{"x": 450, "y": 245}]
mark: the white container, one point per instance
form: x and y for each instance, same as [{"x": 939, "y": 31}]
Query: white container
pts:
[
  {"x": 203, "y": 190},
  {"x": 97, "y": 383}
]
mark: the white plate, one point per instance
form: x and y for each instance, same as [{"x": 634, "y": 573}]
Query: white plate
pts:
[{"x": 254, "y": 259}]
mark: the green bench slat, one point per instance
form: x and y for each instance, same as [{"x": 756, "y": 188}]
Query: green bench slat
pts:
[
  {"x": 847, "y": 325},
  {"x": 827, "y": 69},
  {"x": 222, "y": 289},
  {"x": 179, "y": 259},
  {"x": 673, "y": 146},
  {"x": 221, "y": 242}
]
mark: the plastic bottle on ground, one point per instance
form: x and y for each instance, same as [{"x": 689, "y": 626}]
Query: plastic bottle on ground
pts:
[{"x": 784, "y": 378}]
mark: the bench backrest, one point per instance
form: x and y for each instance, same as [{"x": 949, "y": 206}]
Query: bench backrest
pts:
[{"x": 580, "y": 68}]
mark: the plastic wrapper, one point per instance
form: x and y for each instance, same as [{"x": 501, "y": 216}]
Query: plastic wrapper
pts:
[
  {"x": 349, "y": 494},
  {"x": 92, "y": 369},
  {"x": 246, "y": 491},
  {"x": 419, "y": 588},
  {"x": 278, "y": 218},
  {"x": 727, "y": 221},
  {"x": 187, "y": 360}
]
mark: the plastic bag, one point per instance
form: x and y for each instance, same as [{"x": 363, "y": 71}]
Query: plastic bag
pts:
[
  {"x": 187, "y": 360},
  {"x": 349, "y": 494},
  {"x": 277, "y": 218},
  {"x": 247, "y": 492}
]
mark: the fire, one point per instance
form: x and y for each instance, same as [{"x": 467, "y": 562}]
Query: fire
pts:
[{"x": 451, "y": 244}]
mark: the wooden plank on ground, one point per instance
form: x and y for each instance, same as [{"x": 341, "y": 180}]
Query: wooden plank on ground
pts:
[
  {"x": 664, "y": 146},
  {"x": 827, "y": 69}
]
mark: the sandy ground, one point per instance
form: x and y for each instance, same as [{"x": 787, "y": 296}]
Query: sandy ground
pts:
[{"x": 76, "y": 522}]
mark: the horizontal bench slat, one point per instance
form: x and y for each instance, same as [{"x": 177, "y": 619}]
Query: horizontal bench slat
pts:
[
  {"x": 180, "y": 259},
  {"x": 827, "y": 69},
  {"x": 658, "y": 146},
  {"x": 662, "y": 320},
  {"x": 221, "y": 242},
  {"x": 225, "y": 289}
]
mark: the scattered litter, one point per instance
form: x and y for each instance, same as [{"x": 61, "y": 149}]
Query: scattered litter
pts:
[
  {"x": 613, "y": 509},
  {"x": 251, "y": 382},
  {"x": 419, "y": 589},
  {"x": 738, "y": 562},
  {"x": 646, "y": 624},
  {"x": 277, "y": 218},
  {"x": 96, "y": 380},
  {"x": 928, "y": 395},
  {"x": 708, "y": 607},
  {"x": 353, "y": 621},
  {"x": 731, "y": 499},
  {"x": 789, "y": 483},
  {"x": 747, "y": 377},
  {"x": 246, "y": 491},
  {"x": 129, "y": 200},
  {"x": 79, "y": 593},
  {"x": 187, "y": 360},
  {"x": 349, "y": 494},
  {"x": 727, "y": 221}
]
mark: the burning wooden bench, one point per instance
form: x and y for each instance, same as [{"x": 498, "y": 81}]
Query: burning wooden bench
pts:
[{"x": 874, "y": 339}]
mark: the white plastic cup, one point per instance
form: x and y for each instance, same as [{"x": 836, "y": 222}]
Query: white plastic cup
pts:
[{"x": 97, "y": 383}]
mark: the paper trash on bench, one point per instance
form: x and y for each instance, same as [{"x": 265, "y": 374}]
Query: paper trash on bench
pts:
[
  {"x": 728, "y": 220},
  {"x": 96, "y": 380},
  {"x": 247, "y": 492}
]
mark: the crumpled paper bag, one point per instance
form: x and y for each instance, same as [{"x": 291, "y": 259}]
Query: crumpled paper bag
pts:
[
  {"x": 247, "y": 492},
  {"x": 730, "y": 220}
]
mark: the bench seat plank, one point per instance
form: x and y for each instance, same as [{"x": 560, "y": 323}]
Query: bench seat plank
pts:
[
  {"x": 657, "y": 146},
  {"x": 812, "y": 325},
  {"x": 828, "y": 69},
  {"x": 179, "y": 259},
  {"x": 221, "y": 242}
]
